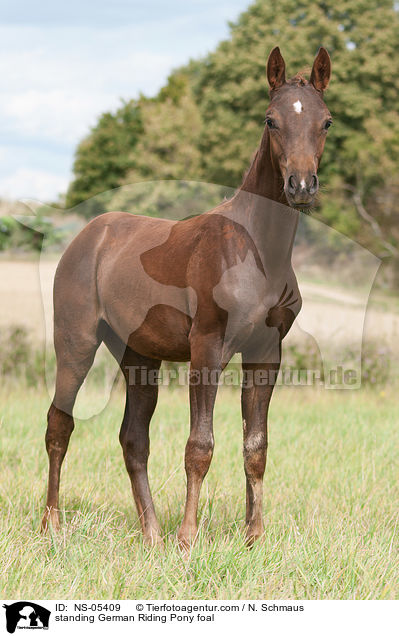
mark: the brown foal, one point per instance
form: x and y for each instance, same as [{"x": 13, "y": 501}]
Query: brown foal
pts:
[{"x": 201, "y": 289}]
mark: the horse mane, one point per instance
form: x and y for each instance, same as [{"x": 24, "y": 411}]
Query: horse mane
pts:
[{"x": 298, "y": 80}]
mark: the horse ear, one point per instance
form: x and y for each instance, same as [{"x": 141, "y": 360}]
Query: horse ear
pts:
[
  {"x": 321, "y": 71},
  {"x": 275, "y": 69}
]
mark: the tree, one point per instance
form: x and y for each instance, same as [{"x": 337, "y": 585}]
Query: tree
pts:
[
  {"x": 169, "y": 145},
  {"x": 104, "y": 157}
]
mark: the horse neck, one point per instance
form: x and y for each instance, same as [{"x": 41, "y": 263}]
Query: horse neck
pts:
[
  {"x": 260, "y": 205},
  {"x": 263, "y": 178}
]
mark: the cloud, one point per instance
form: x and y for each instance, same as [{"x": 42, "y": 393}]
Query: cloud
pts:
[
  {"x": 36, "y": 184},
  {"x": 59, "y": 72},
  {"x": 56, "y": 88},
  {"x": 98, "y": 13}
]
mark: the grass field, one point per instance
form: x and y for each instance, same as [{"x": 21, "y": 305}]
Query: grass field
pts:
[{"x": 331, "y": 503}]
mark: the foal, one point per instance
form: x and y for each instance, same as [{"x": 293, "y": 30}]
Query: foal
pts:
[{"x": 201, "y": 289}]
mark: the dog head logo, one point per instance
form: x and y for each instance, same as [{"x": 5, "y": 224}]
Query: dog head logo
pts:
[{"x": 26, "y": 615}]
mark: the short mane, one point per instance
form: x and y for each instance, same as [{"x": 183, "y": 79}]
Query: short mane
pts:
[{"x": 298, "y": 80}]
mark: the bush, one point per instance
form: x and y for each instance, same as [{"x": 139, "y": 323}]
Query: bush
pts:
[
  {"x": 376, "y": 364},
  {"x": 19, "y": 359},
  {"x": 16, "y": 235}
]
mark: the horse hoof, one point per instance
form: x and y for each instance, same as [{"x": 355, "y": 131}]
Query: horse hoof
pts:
[
  {"x": 153, "y": 540},
  {"x": 186, "y": 540},
  {"x": 51, "y": 519},
  {"x": 252, "y": 536},
  {"x": 184, "y": 545}
]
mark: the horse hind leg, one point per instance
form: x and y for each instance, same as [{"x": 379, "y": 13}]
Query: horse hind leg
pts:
[
  {"x": 74, "y": 360},
  {"x": 59, "y": 429}
]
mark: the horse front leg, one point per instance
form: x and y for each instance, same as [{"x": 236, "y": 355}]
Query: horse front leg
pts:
[
  {"x": 257, "y": 389},
  {"x": 204, "y": 376},
  {"x": 141, "y": 400}
]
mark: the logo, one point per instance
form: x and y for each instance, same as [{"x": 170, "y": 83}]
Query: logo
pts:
[{"x": 26, "y": 615}]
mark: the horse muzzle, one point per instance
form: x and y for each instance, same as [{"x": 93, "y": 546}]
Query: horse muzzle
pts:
[{"x": 301, "y": 190}]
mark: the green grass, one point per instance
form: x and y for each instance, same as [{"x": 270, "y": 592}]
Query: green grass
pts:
[{"x": 330, "y": 503}]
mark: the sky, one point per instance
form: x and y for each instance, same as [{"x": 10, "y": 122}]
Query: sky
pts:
[{"x": 64, "y": 63}]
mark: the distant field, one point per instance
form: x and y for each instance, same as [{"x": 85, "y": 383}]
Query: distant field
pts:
[
  {"x": 331, "y": 495},
  {"x": 26, "y": 294}
]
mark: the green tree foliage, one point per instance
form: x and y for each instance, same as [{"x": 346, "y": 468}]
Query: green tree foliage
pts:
[
  {"x": 169, "y": 146},
  {"x": 104, "y": 156},
  {"x": 207, "y": 121}
]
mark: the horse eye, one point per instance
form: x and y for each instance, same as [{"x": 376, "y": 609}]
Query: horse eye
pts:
[
  {"x": 327, "y": 124},
  {"x": 270, "y": 123}
]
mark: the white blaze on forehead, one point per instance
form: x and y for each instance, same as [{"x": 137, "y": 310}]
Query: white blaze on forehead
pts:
[
  {"x": 298, "y": 108},
  {"x": 303, "y": 184}
]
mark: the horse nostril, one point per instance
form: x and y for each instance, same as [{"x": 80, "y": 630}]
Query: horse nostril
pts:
[
  {"x": 291, "y": 184},
  {"x": 314, "y": 184}
]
